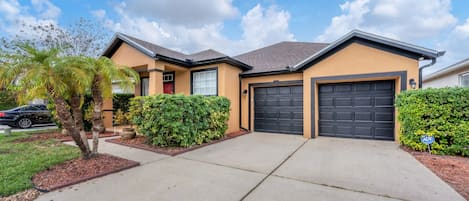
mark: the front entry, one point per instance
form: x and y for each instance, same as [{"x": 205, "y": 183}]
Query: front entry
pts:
[
  {"x": 168, "y": 83},
  {"x": 357, "y": 109},
  {"x": 279, "y": 109}
]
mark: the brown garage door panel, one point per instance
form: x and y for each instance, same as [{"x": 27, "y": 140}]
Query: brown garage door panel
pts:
[
  {"x": 279, "y": 109},
  {"x": 357, "y": 110}
]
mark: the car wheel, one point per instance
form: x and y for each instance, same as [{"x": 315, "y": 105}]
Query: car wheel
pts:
[{"x": 24, "y": 123}]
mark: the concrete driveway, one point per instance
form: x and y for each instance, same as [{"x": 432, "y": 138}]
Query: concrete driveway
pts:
[{"x": 262, "y": 166}]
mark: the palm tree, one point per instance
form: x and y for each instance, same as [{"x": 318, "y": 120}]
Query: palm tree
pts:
[
  {"x": 104, "y": 72},
  {"x": 44, "y": 73}
]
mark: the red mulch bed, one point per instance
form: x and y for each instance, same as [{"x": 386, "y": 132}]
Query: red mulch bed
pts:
[
  {"x": 139, "y": 142},
  {"x": 60, "y": 136},
  {"x": 79, "y": 170},
  {"x": 454, "y": 170}
]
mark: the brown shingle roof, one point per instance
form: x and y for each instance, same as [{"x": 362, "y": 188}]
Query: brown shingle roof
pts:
[
  {"x": 198, "y": 56},
  {"x": 205, "y": 55},
  {"x": 157, "y": 49},
  {"x": 278, "y": 56}
]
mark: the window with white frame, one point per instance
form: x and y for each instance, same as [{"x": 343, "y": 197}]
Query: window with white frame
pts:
[
  {"x": 168, "y": 77},
  {"x": 464, "y": 80},
  {"x": 204, "y": 82}
]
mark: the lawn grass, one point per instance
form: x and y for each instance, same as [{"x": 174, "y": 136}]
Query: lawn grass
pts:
[{"x": 20, "y": 161}]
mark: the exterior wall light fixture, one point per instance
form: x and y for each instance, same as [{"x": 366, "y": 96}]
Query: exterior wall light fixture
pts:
[{"x": 412, "y": 83}]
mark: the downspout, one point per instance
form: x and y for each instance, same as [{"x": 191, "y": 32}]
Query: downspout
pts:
[{"x": 421, "y": 70}]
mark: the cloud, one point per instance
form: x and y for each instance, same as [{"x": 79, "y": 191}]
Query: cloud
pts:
[
  {"x": 400, "y": 19},
  {"x": 456, "y": 45},
  {"x": 9, "y": 8},
  {"x": 99, "y": 13},
  {"x": 46, "y": 9},
  {"x": 462, "y": 31},
  {"x": 260, "y": 26},
  {"x": 265, "y": 26},
  {"x": 15, "y": 17},
  {"x": 181, "y": 12}
]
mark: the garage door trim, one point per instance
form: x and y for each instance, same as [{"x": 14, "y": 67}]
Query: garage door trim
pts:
[
  {"x": 314, "y": 82},
  {"x": 275, "y": 83}
]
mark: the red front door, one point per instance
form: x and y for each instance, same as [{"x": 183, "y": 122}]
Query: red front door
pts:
[{"x": 168, "y": 87}]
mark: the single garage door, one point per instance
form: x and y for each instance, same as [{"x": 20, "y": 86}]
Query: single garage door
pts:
[
  {"x": 357, "y": 110},
  {"x": 279, "y": 109}
]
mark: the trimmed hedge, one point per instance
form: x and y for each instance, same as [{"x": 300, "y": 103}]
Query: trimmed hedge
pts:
[
  {"x": 178, "y": 120},
  {"x": 442, "y": 113}
]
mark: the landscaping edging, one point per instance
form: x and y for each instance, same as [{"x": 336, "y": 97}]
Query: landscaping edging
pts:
[
  {"x": 86, "y": 178},
  {"x": 61, "y": 137},
  {"x": 184, "y": 150},
  {"x": 101, "y": 135}
]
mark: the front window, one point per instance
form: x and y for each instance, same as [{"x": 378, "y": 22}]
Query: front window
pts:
[
  {"x": 144, "y": 86},
  {"x": 204, "y": 82},
  {"x": 464, "y": 80}
]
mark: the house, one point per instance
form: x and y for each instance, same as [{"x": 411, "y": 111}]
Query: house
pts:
[
  {"x": 342, "y": 89},
  {"x": 451, "y": 76}
]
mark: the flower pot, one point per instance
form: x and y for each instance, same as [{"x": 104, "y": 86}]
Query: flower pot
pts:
[{"x": 128, "y": 133}]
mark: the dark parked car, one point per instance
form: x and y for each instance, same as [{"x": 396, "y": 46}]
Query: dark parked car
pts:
[{"x": 25, "y": 116}]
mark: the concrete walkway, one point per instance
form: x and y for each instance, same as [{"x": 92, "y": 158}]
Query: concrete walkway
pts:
[{"x": 263, "y": 166}]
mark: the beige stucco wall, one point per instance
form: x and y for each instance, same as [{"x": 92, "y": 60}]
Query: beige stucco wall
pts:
[
  {"x": 353, "y": 60},
  {"x": 450, "y": 79},
  {"x": 129, "y": 56},
  {"x": 245, "y": 100}
]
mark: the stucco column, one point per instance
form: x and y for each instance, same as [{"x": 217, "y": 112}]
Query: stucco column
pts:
[
  {"x": 107, "y": 112},
  {"x": 155, "y": 80}
]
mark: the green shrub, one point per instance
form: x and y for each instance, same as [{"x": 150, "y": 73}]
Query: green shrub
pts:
[
  {"x": 7, "y": 100},
  {"x": 121, "y": 101},
  {"x": 442, "y": 113},
  {"x": 178, "y": 120}
]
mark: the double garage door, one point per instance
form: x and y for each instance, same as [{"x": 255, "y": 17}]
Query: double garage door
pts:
[{"x": 353, "y": 110}]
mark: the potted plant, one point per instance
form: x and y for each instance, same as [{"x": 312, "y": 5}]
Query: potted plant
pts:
[{"x": 123, "y": 119}]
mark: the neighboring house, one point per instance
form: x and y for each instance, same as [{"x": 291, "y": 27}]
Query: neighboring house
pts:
[
  {"x": 342, "y": 89},
  {"x": 451, "y": 76}
]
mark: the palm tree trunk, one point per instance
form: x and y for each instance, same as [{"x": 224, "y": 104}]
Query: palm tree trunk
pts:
[
  {"x": 97, "y": 121},
  {"x": 65, "y": 117},
  {"x": 78, "y": 118}
]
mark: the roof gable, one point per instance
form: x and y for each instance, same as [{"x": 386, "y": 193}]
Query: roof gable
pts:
[{"x": 372, "y": 40}]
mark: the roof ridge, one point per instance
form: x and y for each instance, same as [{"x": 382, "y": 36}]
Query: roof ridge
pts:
[
  {"x": 159, "y": 46},
  {"x": 206, "y": 50},
  {"x": 278, "y": 43}
]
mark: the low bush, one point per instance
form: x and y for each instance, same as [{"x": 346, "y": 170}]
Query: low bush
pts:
[
  {"x": 121, "y": 102},
  {"x": 442, "y": 113},
  {"x": 7, "y": 100},
  {"x": 178, "y": 120}
]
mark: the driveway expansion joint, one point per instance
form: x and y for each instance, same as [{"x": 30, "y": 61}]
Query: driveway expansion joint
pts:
[
  {"x": 221, "y": 165},
  {"x": 339, "y": 187},
  {"x": 275, "y": 169}
]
